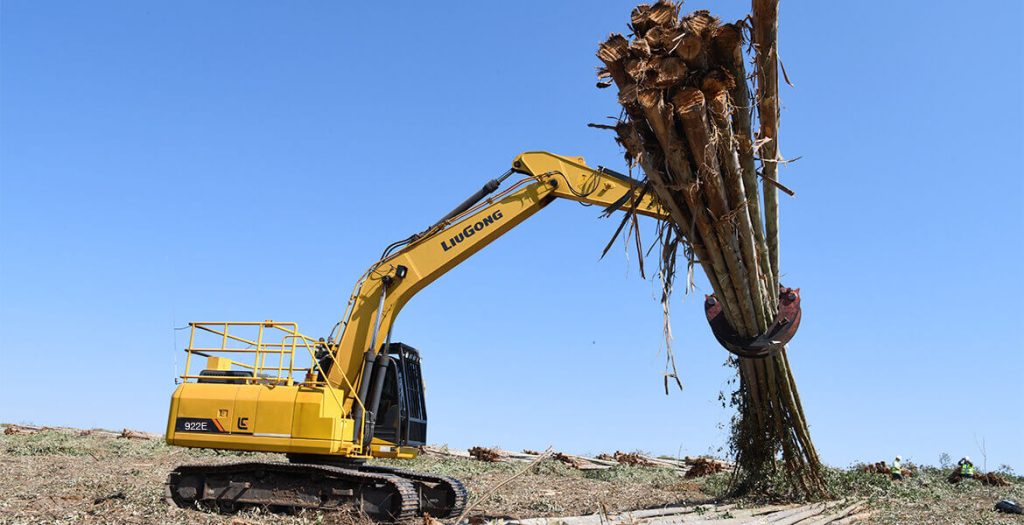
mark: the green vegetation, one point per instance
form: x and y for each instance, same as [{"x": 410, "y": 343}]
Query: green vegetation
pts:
[
  {"x": 656, "y": 477},
  {"x": 926, "y": 483},
  {"x": 462, "y": 468},
  {"x": 127, "y": 476},
  {"x": 59, "y": 442},
  {"x": 454, "y": 467},
  {"x": 924, "y": 497}
]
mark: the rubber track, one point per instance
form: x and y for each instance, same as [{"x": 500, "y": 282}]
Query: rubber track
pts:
[
  {"x": 457, "y": 489},
  {"x": 403, "y": 488}
]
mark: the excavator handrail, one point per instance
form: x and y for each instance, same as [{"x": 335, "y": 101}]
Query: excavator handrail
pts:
[
  {"x": 290, "y": 342},
  {"x": 259, "y": 347}
]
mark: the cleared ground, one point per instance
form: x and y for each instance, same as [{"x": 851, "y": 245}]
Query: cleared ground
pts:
[{"x": 68, "y": 477}]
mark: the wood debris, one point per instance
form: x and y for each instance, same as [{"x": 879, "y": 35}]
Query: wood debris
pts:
[
  {"x": 489, "y": 455},
  {"x": 704, "y": 465},
  {"x": 989, "y": 479},
  {"x": 701, "y": 467},
  {"x": 632, "y": 458},
  {"x": 883, "y": 468},
  {"x": 833, "y": 512},
  {"x": 134, "y": 434},
  {"x": 10, "y": 429},
  {"x": 443, "y": 451}
]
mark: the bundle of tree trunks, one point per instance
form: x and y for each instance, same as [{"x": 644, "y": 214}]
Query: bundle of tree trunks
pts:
[{"x": 703, "y": 129}]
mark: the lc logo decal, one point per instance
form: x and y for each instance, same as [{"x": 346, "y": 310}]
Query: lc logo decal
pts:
[{"x": 243, "y": 423}]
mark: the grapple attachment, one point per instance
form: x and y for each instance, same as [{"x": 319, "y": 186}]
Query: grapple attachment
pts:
[{"x": 782, "y": 329}]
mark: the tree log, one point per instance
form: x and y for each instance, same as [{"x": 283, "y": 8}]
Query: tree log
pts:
[{"x": 765, "y": 37}]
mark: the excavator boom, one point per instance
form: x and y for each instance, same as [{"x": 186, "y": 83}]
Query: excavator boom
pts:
[{"x": 390, "y": 283}]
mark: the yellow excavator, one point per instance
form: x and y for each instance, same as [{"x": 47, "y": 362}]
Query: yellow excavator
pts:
[{"x": 330, "y": 404}]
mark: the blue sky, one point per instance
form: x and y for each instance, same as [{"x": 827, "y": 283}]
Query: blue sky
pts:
[{"x": 167, "y": 162}]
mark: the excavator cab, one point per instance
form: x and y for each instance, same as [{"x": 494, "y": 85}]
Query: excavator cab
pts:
[{"x": 401, "y": 417}]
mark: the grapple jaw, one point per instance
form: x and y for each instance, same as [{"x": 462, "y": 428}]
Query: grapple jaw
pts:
[{"x": 782, "y": 329}]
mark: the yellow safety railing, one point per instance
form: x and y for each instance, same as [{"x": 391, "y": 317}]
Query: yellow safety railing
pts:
[
  {"x": 226, "y": 344},
  {"x": 233, "y": 346}
]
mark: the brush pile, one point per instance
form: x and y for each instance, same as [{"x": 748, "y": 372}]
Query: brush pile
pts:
[
  {"x": 701, "y": 467},
  {"x": 489, "y": 455},
  {"x": 11, "y": 429},
  {"x": 689, "y": 466},
  {"x": 989, "y": 479},
  {"x": 883, "y": 468},
  {"x": 688, "y": 122}
]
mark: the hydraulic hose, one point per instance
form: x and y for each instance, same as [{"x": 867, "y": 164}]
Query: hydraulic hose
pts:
[{"x": 486, "y": 190}]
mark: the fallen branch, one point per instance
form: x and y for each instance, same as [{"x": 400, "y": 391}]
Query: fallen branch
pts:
[
  {"x": 132, "y": 434},
  {"x": 483, "y": 497}
]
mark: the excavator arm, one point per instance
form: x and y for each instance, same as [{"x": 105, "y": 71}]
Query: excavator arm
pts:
[{"x": 391, "y": 282}]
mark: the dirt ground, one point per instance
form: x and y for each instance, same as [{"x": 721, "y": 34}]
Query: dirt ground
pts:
[
  {"x": 65, "y": 477},
  {"x": 60, "y": 477}
]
